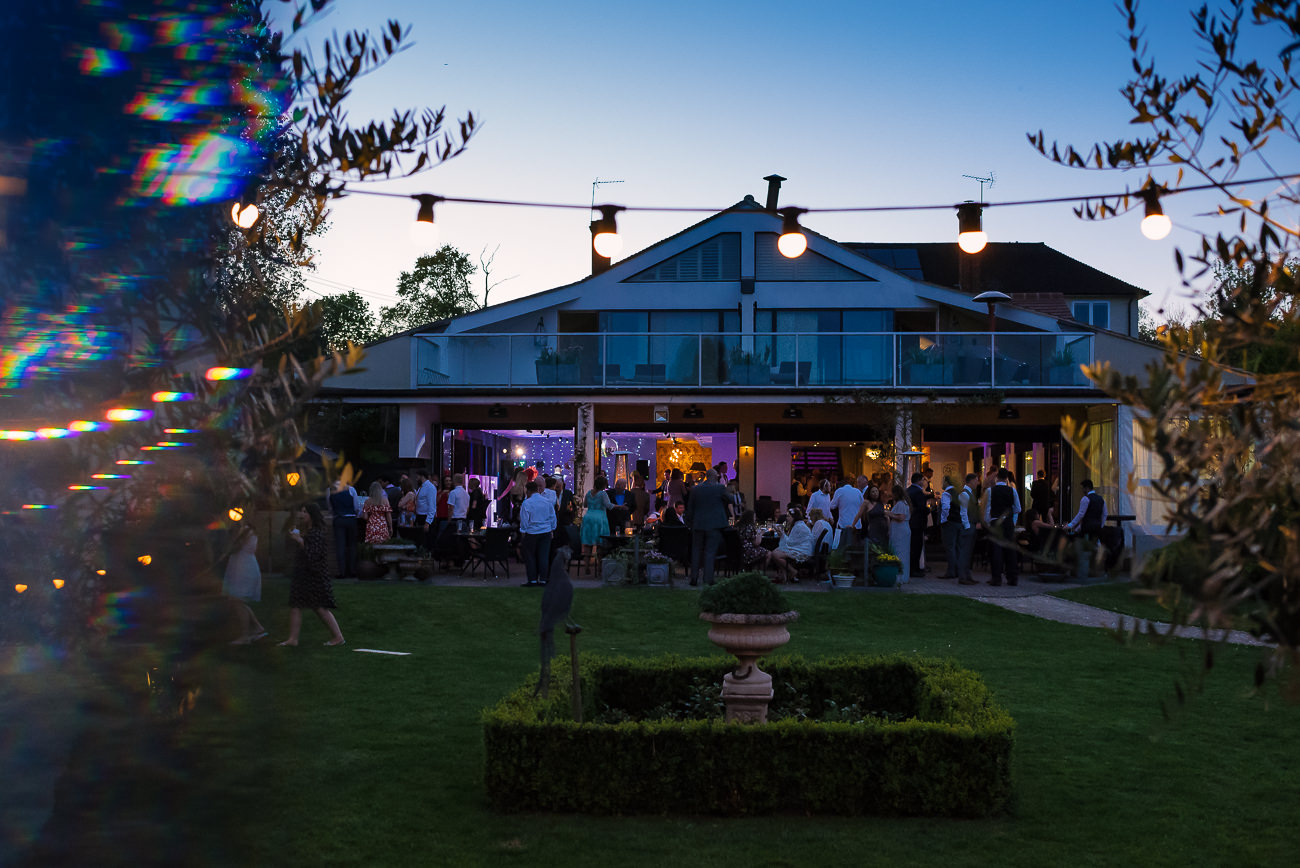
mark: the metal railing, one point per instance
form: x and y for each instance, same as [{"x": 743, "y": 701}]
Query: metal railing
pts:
[{"x": 704, "y": 360}]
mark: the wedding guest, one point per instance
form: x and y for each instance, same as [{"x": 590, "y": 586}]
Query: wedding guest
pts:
[
  {"x": 378, "y": 515},
  {"x": 309, "y": 585},
  {"x": 243, "y": 583}
]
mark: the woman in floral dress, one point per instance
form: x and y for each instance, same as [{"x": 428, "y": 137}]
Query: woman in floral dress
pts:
[{"x": 378, "y": 515}]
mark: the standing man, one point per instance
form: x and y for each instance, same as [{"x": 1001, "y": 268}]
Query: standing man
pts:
[
  {"x": 478, "y": 504},
  {"x": 706, "y": 514},
  {"x": 426, "y": 507},
  {"x": 458, "y": 502},
  {"x": 845, "y": 503},
  {"x": 1090, "y": 519},
  {"x": 343, "y": 506},
  {"x": 918, "y": 518},
  {"x": 640, "y": 500},
  {"x": 1040, "y": 497},
  {"x": 966, "y": 537},
  {"x": 1001, "y": 510},
  {"x": 536, "y": 525},
  {"x": 949, "y": 526}
]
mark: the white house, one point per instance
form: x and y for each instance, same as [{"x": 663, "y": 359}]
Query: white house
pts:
[{"x": 711, "y": 346}]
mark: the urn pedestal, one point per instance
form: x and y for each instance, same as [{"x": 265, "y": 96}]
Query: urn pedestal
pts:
[{"x": 747, "y": 690}]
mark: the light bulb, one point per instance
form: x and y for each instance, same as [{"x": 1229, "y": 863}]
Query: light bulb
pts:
[
  {"x": 1156, "y": 226},
  {"x": 792, "y": 244},
  {"x": 972, "y": 242},
  {"x": 608, "y": 244},
  {"x": 236, "y": 514},
  {"x": 58, "y": 583},
  {"x": 244, "y": 215},
  {"x": 424, "y": 235}
]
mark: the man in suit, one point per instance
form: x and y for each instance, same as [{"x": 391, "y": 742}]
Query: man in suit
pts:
[
  {"x": 706, "y": 514},
  {"x": 920, "y": 515}
]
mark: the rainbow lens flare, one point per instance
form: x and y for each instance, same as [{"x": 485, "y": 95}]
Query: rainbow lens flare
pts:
[
  {"x": 228, "y": 373},
  {"x": 126, "y": 414},
  {"x": 168, "y": 397}
]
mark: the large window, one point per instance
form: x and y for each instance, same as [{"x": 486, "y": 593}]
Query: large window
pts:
[
  {"x": 1095, "y": 313},
  {"x": 809, "y": 342},
  {"x": 665, "y": 345}
]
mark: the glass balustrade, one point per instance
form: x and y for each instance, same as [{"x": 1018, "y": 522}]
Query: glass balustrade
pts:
[{"x": 849, "y": 360}]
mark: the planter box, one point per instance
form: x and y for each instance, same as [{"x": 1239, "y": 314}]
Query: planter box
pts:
[
  {"x": 557, "y": 374},
  {"x": 612, "y": 571},
  {"x": 751, "y": 375},
  {"x": 1061, "y": 375},
  {"x": 656, "y": 574},
  {"x": 923, "y": 375}
]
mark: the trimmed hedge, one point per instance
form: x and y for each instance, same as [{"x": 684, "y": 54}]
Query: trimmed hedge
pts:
[{"x": 949, "y": 755}]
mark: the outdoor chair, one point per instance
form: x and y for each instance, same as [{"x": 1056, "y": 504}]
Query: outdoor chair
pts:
[
  {"x": 492, "y": 549},
  {"x": 765, "y": 508},
  {"x": 815, "y": 566}
]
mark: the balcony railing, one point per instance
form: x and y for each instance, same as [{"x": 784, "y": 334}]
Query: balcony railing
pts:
[{"x": 706, "y": 360}]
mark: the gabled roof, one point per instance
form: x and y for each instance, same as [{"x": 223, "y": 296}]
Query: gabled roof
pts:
[{"x": 1016, "y": 268}]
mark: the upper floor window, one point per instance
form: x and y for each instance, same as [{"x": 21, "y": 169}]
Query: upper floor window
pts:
[
  {"x": 1096, "y": 313},
  {"x": 715, "y": 259}
]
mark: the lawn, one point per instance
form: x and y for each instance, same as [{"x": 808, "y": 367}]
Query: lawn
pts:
[{"x": 326, "y": 756}]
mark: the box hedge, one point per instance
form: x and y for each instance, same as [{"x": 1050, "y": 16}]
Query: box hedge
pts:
[{"x": 931, "y": 742}]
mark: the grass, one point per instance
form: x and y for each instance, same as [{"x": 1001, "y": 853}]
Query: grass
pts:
[{"x": 330, "y": 757}]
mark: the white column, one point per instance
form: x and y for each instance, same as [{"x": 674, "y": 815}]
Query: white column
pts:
[
  {"x": 902, "y": 442},
  {"x": 585, "y": 457}
]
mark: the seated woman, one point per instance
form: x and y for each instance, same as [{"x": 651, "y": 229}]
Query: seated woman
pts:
[
  {"x": 1044, "y": 538},
  {"x": 752, "y": 552},
  {"x": 817, "y": 519},
  {"x": 795, "y": 546}
]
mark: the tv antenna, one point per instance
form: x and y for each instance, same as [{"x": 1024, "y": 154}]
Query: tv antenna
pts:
[
  {"x": 990, "y": 180},
  {"x": 596, "y": 183}
]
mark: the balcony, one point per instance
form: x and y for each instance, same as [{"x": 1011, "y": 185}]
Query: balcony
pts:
[{"x": 816, "y": 360}]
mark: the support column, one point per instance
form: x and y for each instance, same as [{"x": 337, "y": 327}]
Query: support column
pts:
[
  {"x": 902, "y": 441},
  {"x": 746, "y": 466},
  {"x": 1124, "y": 428},
  {"x": 585, "y": 456}
]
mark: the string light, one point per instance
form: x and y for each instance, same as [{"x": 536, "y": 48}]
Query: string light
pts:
[
  {"x": 292, "y": 477},
  {"x": 146, "y": 560},
  {"x": 792, "y": 242},
  {"x": 605, "y": 239},
  {"x": 244, "y": 215},
  {"x": 971, "y": 236},
  {"x": 58, "y": 583},
  {"x": 1155, "y": 225},
  {"x": 424, "y": 232},
  {"x": 236, "y": 514},
  {"x": 20, "y": 588}
]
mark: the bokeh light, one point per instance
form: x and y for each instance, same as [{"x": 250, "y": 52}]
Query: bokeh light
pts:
[
  {"x": 127, "y": 414},
  {"x": 168, "y": 397},
  {"x": 58, "y": 583},
  {"x": 228, "y": 373}
]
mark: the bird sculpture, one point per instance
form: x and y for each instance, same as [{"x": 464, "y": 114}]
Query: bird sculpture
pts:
[{"x": 557, "y": 599}]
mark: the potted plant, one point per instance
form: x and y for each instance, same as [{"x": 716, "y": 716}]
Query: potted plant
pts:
[
  {"x": 367, "y": 565},
  {"x": 840, "y": 566},
  {"x": 750, "y": 369},
  {"x": 923, "y": 367},
  {"x": 749, "y": 618},
  {"x": 1061, "y": 368},
  {"x": 558, "y": 366},
  {"x": 657, "y": 565},
  {"x": 885, "y": 566}
]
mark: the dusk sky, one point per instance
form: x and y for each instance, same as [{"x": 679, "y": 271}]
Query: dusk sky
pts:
[{"x": 692, "y": 103}]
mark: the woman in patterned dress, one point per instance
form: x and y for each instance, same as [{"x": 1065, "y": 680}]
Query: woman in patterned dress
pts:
[
  {"x": 752, "y": 552},
  {"x": 378, "y": 515},
  {"x": 310, "y": 588}
]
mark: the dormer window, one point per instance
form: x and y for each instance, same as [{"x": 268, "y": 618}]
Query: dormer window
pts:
[{"x": 1094, "y": 313}]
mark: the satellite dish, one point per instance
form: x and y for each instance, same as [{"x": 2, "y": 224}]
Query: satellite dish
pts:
[{"x": 608, "y": 447}]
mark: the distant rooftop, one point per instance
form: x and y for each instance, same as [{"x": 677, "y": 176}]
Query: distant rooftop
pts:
[{"x": 1016, "y": 268}]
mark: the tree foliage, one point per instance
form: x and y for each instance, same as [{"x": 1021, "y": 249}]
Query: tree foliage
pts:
[
  {"x": 346, "y": 318},
  {"x": 436, "y": 288},
  {"x": 1228, "y": 453}
]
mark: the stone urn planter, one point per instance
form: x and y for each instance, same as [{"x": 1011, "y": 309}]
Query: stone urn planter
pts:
[
  {"x": 842, "y": 580},
  {"x": 747, "y": 690}
]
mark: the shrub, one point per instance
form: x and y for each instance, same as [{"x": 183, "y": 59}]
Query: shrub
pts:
[
  {"x": 744, "y": 594},
  {"x": 886, "y": 735}
]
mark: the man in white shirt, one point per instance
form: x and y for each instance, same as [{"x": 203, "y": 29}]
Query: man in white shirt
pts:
[
  {"x": 949, "y": 526},
  {"x": 1090, "y": 519},
  {"x": 1001, "y": 512},
  {"x": 426, "y": 509},
  {"x": 549, "y": 492},
  {"x": 536, "y": 524},
  {"x": 966, "y": 536},
  {"x": 845, "y": 503},
  {"x": 458, "y": 502},
  {"x": 821, "y": 498}
]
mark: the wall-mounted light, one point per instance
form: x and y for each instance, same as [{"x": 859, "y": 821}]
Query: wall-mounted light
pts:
[
  {"x": 1155, "y": 225},
  {"x": 792, "y": 412},
  {"x": 496, "y": 411},
  {"x": 424, "y": 232},
  {"x": 971, "y": 236},
  {"x": 692, "y": 412},
  {"x": 792, "y": 242},
  {"x": 1008, "y": 412}
]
